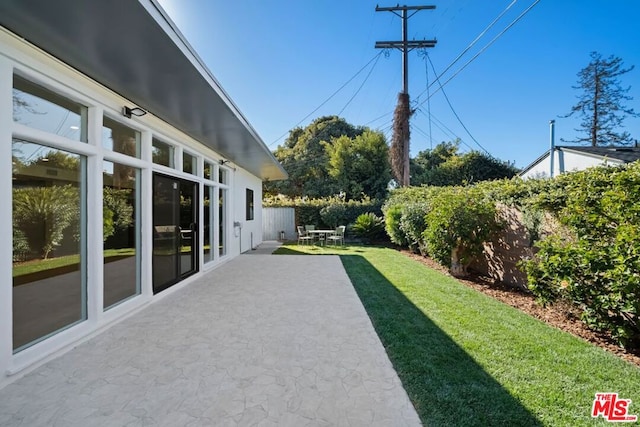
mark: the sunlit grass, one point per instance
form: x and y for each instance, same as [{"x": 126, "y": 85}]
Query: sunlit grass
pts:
[{"x": 467, "y": 359}]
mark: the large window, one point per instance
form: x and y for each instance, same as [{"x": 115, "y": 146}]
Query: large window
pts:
[
  {"x": 120, "y": 138},
  {"x": 222, "y": 222},
  {"x": 213, "y": 222},
  {"x": 162, "y": 153},
  {"x": 208, "y": 170},
  {"x": 189, "y": 163},
  {"x": 49, "y": 241},
  {"x": 121, "y": 231},
  {"x": 209, "y": 223},
  {"x": 42, "y": 109}
]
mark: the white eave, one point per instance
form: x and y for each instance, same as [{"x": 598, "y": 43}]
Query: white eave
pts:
[{"x": 133, "y": 48}]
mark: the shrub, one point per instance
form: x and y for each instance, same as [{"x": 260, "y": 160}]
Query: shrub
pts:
[
  {"x": 413, "y": 224},
  {"x": 411, "y": 204},
  {"x": 459, "y": 222},
  {"x": 598, "y": 267},
  {"x": 369, "y": 226},
  {"x": 392, "y": 218}
]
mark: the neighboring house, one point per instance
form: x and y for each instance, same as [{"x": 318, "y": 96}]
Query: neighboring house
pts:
[
  {"x": 567, "y": 159},
  {"x": 125, "y": 169}
]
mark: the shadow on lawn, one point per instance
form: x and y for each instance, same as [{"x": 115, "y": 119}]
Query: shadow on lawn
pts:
[{"x": 446, "y": 386}]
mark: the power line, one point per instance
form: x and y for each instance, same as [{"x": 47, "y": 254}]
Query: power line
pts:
[
  {"x": 482, "y": 33},
  {"x": 363, "y": 82},
  {"x": 426, "y": 71},
  {"x": 452, "y": 109},
  {"x": 329, "y": 98},
  {"x": 476, "y": 56},
  {"x": 420, "y": 131},
  {"x": 486, "y": 47},
  {"x": 378, "y": 118},
  {"x": 385, "y": 129},
  {"x": 414, "y": 127},
  {"x": 444, "y": 129}
]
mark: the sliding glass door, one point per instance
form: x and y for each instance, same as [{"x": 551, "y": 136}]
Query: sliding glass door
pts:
[{"x": 175, "y": 239}]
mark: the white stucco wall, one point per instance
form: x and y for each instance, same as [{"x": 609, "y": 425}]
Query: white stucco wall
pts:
[{"x": 251, "y": 233}]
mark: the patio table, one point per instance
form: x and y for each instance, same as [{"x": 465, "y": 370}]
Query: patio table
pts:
[{"x": 322, "y": 234}]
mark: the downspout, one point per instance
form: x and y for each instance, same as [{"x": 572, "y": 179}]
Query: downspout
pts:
[{"x": 552, "y": 150}]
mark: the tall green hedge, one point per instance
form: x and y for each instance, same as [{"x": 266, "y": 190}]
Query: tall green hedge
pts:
[
  {"x": 328, "y": 212},
  {"x": 593, "y": 264},
  {"x": 597, "y": 267}
]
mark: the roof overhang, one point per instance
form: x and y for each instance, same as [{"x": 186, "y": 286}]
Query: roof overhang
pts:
[{"x": 134, "y": 49}]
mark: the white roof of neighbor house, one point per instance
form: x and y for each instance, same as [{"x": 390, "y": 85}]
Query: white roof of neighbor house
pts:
[
  {"x": 133, "y": 48},
  {"x": 618, "y": 155}
]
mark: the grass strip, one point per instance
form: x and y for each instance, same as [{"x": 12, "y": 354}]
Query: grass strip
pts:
[{"x": 466, "y": 359}]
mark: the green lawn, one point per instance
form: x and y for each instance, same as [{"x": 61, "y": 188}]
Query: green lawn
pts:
[{"x": 467, "y": 359}]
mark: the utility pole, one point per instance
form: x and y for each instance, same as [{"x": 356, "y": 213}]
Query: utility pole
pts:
[
  {"x": 552, "y": 144},
  {"x": 402, "y": 111}
]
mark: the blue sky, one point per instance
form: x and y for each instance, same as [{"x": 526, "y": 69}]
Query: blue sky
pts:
[{"x": 281, "y": 59}]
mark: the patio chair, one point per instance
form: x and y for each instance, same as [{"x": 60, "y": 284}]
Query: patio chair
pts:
[
  {"x": 309, "y": 227},
  {"x": 337, "y": 236},
  {"x": 303, "y": 236}
]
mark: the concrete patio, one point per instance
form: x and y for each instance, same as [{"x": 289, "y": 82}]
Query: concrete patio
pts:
[{"x": 262, "y": 340}]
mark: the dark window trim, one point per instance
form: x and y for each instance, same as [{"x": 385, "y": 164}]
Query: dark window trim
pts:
[{"x": 249, "y": 205}]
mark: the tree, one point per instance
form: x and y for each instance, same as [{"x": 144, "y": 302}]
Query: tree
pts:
[
  {"x": 428, "y": 160},
  {"x": 305, "y": 159},
  {"x": 42, "y": 214},
  {"x": 470, "y": 168},
  {"x": 117, "y": 210},
  {"x": 601, "y": 103},
  {"x": 58, "y": 159},
  {"x": 360, "y": 165},
  {"x": 444, "y": 166}
]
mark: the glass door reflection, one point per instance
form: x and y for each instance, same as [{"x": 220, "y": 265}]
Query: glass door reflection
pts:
[{"x": 174, "y": 230}]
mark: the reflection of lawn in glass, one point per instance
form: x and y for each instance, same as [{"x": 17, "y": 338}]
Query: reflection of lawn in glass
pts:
[
  {"x": 36, "y": 265},
  {"x": 172, "y": 251}
]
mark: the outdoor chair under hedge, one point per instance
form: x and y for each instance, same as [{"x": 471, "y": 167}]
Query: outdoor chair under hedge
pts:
[
  {"x": 303, "y": 236},
  {"x": 338, "y": 236}
]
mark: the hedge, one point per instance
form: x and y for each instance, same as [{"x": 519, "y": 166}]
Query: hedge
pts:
[
  {"x": 593, "y": 262},
  {"x": 326, "y": 212},
  {"x": 597, "y": 266}
]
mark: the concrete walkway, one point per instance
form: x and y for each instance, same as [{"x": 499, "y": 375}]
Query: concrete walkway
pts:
[{"x": 261, "y": 341}]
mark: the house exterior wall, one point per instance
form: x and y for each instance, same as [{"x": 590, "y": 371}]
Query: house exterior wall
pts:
[
  {"x": 565, "y": 161},
  {"x": 250, "y": 234},
  {"x": 18, "y": 58}
]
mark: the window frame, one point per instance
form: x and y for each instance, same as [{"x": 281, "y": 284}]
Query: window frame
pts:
[{"x": 249, "y": 204}]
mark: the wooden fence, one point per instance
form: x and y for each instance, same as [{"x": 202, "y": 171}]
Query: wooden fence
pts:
[{"x": 277, "y": 220}]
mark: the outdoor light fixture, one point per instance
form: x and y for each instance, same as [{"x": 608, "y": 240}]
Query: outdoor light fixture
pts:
[
  {"x": 135, "y": 111},
  {"x": 222, "y": 161}
]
